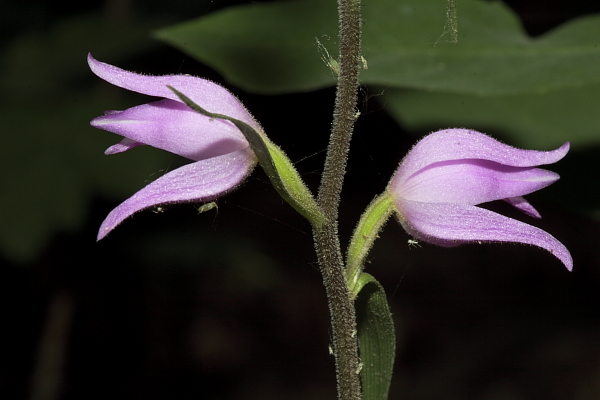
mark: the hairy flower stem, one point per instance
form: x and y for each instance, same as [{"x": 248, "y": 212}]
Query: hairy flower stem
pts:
[{"x": 327, "y": 244}]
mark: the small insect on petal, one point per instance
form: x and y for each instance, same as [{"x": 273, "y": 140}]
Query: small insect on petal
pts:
[
  {"x": 207, "y": 207},
  {"x": 413, "y": 243}
]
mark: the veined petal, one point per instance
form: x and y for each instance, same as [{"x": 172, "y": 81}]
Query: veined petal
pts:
[
  {"x": 170, "y": 125},
  {"x": 200, "y": 181},
  {"x": 449, "y": 225},
  {"x": 471, "y": 181},
  {"x": 206, "y": 94},
  {"x": 456, "y": 144}
]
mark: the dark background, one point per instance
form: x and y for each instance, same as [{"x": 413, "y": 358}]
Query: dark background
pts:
[{"x": 229, "y": 304}]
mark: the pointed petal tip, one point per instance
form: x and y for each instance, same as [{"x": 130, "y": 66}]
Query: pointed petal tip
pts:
[
  {"x": 114, "y": 218},
  {"x": 523, "y": 205},
  {"x": 561, "y": 252},
  {"x": 562, "y": 150},
  {"x": 95, "y": 122},
  {"x": 104, "y": 121},
  {"x": 558, "y": 250},
  {"x": 568, "y": 263},
  {"x": 122, "y": 146},
  {"x": 102, "y": 233},
  {"x": 93, "y": 63}
]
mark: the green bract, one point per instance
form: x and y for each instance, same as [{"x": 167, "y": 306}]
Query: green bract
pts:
[{"x": 365, "y": 233}]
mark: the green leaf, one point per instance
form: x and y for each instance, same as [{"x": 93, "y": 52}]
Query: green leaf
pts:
[
  {"x": 264, "y": 47},
  {"x": 540, "y": 121},
  {"x": 270, "y": 48},
  {"x": 376, "y": 337},
  {"x": 493, "y": 54}
]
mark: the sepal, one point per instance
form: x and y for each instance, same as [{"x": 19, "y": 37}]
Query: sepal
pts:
[{"x": 365, "y": 233}]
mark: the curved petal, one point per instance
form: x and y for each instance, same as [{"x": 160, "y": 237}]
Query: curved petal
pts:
[
  {"x": 124, "y": 145},
  {"x": 200, "y": 181},
  {"x": 472, "y": 182},
  {"x": 172, "y": 126},
  {"x": 456, "y": 144},
  {"x": 523, "y": 205},
  {"x": 449, "y": 225},
  {"x": 206, "y": 94}
]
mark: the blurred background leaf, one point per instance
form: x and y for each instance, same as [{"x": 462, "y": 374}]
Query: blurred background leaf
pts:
[
  {"x": 264, "y": 47},
  {"x": 405, "y": 46},
  {"x": 403, "y": 43},
  {"x": 51, "y": 161},
  {"x": 536, "y": 121}
]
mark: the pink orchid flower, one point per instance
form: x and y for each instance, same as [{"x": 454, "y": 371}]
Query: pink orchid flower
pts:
[
  {"x": 221, "y": 156},
  {"x": 447, "y": 173}
]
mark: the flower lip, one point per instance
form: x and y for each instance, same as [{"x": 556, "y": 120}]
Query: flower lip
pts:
[{"x": 447, "y": 173}]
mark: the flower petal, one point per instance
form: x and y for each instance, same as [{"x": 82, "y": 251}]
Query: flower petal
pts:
[
  {"x": 206, "y": 94},
  {"x": 124, "y": 145},
  {"x": 456, "y": 144},
  {"x": 523, "y": 205},
  {"x": 200, "y": 181},
  {"x": 449, "y": 225},
  {"x": 471, "y": 181},
  {"x": 172, "y": 126}
]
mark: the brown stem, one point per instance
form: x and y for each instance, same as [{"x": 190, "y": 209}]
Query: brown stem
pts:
[{"x": 327, "y": 244}]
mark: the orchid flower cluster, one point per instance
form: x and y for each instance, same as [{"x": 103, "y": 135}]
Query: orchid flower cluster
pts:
[{"x": 434, "y": 192}]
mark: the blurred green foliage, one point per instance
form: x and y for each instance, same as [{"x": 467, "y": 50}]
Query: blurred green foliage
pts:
[
  {"x": 51, "y": 160},
  {"x": 278, "y": 55},
  {"x": 537, "y": 121},
  {"x": 404, "y": 44}
]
